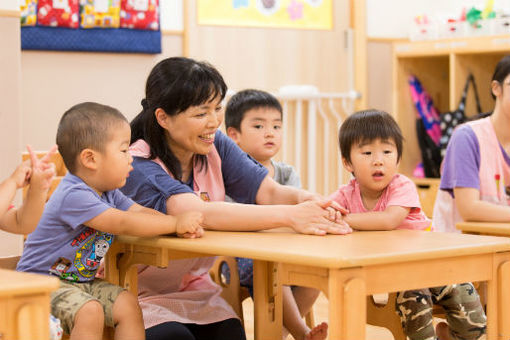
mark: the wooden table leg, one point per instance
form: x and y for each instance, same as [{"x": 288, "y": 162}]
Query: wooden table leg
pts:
[
  {"x": 498, "y": 299},
  {"x": 267, "y": 296},
  {"x": 111, "y": 269},
  {"x": 503, "y": 295},
  {"x": 347, "y": 305}
]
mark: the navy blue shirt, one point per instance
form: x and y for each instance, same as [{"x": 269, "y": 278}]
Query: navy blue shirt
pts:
[{"x": 149, "y": 185}]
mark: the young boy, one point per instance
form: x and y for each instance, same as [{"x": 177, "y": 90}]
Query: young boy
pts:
[
  {"x": 254, "y": 120},
  {"x": 378, "y": 198},
  {"x": 81, "y": 218}
]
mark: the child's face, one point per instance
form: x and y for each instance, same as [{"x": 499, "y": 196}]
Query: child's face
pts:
[
  {"x": 114, "y": 163},
  {"x": 373, "y": 164},
  {"x": 261, "y": 133}
]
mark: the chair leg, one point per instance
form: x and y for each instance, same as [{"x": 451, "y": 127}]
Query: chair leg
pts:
[
  {"x": 385, "y": 316},
  {"x": 310, "y": 319}
]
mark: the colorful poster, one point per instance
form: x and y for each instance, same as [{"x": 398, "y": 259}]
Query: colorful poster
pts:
[{"x": 301, "y": 14}]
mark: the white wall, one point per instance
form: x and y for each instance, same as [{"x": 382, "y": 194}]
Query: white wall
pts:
[
  {"x": 10, "y": 111},
  {"x": 9, "y": 5},
  {"x": 392, "y": 18},
  {"x": 171, "y": 15}
]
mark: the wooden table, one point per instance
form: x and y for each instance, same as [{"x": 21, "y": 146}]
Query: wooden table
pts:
[
  {"x": 345, "y": 268},
  {"x": 484, "y": 228},
  {"x": 25, "y": 305}
]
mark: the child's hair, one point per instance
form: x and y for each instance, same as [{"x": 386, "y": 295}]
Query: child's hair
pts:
[
  {"x": 174, "y": 85},
  {"x": 246, "y": 100},
  {"x": 86, "y": 125},
  {"x": 367, "y": 126},
  {"x": 501, "y": 71}
]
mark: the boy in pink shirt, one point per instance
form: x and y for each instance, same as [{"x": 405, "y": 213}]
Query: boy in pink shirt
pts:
[{"x": 378, "y": 198}]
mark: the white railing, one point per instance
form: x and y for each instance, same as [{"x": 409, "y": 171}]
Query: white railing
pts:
[
  {"x": 310, "y": 134},
  {"x": 312, "y": 145}
]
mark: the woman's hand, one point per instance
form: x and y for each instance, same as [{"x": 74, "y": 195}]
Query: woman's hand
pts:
[
  {"x": 313, "y": 217},
  {"x": 189, "y": 225}
]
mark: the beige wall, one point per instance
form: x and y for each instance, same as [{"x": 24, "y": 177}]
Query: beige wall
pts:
[
  {"x": 54, "y": 81},
  {"x": 379, "y": 71},
  {"x": 270, "y": 58},
  {"x": 10, "y": 113}
]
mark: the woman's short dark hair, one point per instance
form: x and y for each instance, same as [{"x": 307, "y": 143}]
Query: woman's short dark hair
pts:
[
  {"x": 174, "y": 85},
  {"x": 501, "y": 71},
  {"x": 367, "y": 126}
]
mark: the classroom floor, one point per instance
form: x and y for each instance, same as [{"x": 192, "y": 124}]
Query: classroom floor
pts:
[{"x": 320, "y": 313}]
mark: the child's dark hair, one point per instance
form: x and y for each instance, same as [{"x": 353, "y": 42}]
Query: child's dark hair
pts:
[
  {"x": 367, "y": 126},
  {"x": 85, "y": 125},
  {"x": 501, "y": 71},
  {"x": 246, "y": 100},
  {"x": 174, "y": 85}
]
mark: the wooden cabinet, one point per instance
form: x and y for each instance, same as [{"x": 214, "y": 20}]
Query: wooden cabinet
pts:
[{"x": 442, "y": 67}]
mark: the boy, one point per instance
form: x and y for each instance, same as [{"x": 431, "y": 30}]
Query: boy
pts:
[
  {"x": 254, "y": 120},
  {"x": 81, "y": 218},
  {"x": 378, "y": 198}
]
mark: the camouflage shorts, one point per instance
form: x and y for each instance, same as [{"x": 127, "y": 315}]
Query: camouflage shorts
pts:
[
  {"x": 461, "y": 302},
  {"x": 71, "y": 296}
]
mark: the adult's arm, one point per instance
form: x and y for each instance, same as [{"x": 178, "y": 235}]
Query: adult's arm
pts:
[
  {"x": 472, "y": 208},
  {"x": 307, "y": 218}
]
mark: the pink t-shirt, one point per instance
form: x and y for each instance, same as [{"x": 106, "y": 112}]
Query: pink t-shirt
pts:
[{"x": 400, "y": 192}]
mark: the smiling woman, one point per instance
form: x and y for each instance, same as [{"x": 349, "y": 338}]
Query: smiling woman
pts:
[{"x": 182, "y": 162}]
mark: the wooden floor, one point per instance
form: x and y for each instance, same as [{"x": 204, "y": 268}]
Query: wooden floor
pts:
[{"x": 320, "y": 313}]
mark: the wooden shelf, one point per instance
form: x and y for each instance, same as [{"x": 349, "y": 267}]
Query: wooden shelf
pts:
[
  {"x": 442, "y": 67},
  {"x": 470, "y": 45}
]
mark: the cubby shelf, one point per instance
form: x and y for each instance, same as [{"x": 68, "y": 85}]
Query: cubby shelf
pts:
[{"x": 442, "y": 67}]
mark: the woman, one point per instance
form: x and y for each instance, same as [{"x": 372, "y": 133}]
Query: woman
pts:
[{"x": 183, "y": 163}]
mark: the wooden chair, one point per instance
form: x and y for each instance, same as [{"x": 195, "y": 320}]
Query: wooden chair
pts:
[
  {"x": 60, "y": 170},
  {"x": 232, "y": 292},
  {"x": 427, "y": 190}
]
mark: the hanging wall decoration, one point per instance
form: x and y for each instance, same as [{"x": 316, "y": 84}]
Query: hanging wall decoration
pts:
[
  {"x": 299, "y": 14},
  {"x": 127, "y": 26}
]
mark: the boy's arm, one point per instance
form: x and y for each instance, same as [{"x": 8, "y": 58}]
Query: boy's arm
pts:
[
  {"x": 388, "y": 219},
  {"x": 143, "y": 224},
  {"x": 471, "y": 208}
]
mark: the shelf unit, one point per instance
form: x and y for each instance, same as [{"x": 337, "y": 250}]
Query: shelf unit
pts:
[{"x": 442, "y": 67}]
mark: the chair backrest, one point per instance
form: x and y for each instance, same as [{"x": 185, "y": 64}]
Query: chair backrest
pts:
[
  {"x": 60, "y": 170},
  {"x": 9, "y": 262},
  {"x": 427, "y": 190}
]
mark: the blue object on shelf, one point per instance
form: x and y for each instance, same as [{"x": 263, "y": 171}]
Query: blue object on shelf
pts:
[{"x": 117, "y": 40}]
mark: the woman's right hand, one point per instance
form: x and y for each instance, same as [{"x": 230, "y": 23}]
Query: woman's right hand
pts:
[
  {"x": 189, "y": 224},
  {"x": 313, "y": 217}
]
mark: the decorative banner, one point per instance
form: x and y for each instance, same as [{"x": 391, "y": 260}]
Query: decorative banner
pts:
[{"x": 302, "y": 14}]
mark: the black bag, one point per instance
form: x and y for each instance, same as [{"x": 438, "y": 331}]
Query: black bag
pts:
[
  {"x": 430, "y": 152},
  {"x": 449, "y": 120}
]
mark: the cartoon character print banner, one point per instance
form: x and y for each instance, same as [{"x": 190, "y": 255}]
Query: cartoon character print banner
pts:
[{"x": 301, "y": 14}]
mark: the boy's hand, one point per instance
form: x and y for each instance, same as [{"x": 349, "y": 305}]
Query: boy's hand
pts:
[
  {"x": 189, "y": 225},
  {"x": 21, "y": 175},
  {"x": 43, "y": 170},
  {"x": 312, "y": 217}
]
